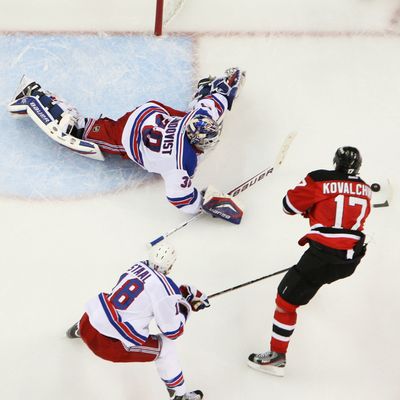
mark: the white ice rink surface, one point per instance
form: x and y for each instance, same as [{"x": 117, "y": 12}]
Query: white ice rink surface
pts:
[{"x": 327, "y": 70}]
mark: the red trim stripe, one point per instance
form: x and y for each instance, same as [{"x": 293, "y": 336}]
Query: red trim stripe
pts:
[
  {"x": 177, "y": 334},
  {"x": 123, "y": 327},
  {"x": 137, "y": 124}
]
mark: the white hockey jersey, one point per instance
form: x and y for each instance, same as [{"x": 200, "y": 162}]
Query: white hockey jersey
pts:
[
  {"x": 154, "y": 137},
  {"x": 141, "y": 295}
]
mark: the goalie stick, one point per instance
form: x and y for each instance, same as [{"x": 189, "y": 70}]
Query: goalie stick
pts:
[
  {"x": 239, "y": 189},
  {"x": 248, "y": 283}
]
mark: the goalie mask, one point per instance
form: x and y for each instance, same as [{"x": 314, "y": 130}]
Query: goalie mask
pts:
[
  {"x": 203, "y": 132},
  {"x": 347, "y": 159},
  {"x": 162, "y": 257}
]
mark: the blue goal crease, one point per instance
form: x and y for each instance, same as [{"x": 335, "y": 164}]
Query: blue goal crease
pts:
[{"x": 99, "y": 75}]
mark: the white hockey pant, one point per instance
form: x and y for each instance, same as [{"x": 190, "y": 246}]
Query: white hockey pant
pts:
[{"x": 169, "y": 368}]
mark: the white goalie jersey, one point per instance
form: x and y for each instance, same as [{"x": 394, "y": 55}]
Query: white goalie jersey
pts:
[
  {"x": 154, "y": 137},
  {"x": 141, "y": 295}
]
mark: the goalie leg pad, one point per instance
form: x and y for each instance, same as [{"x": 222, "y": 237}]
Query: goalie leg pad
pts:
[
  {"x": 222, "y": 206},
  {"x": 52, "y": 115},
  {"x": 58, "y": 130}
]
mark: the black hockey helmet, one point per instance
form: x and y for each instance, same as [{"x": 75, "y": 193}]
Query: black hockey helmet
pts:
[{"x": 347, "y": 159}]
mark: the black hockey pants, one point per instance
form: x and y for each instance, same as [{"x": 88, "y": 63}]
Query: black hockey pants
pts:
[{"x": 318, "y": 266}]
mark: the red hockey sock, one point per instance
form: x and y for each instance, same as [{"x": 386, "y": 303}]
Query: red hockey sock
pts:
[{"x": 283, "y": 325}]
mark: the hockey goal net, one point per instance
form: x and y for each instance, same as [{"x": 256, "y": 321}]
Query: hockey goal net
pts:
[{"x": 165, "y": 11}]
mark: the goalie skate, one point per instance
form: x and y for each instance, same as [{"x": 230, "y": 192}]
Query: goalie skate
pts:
[{"x": 25, "y": 88}]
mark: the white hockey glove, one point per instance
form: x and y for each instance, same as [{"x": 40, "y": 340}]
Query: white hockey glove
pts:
[
  {"x": 222, "y": 206},
  {"x": 197, "y": 300}
]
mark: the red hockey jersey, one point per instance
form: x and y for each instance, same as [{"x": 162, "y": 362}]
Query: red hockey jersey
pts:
[{"x": 336, "y": 204}]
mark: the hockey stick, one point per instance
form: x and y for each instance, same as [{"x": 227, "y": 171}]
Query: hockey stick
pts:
[
  {"x": 247, "y": 283},
  {"x": 242, "y": 187},
  {"x": 389, "y": 195},
  {"x": 239, "y": 189}
]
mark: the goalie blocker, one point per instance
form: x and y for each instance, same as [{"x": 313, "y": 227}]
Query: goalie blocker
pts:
[{"x": 222, "y": 206}]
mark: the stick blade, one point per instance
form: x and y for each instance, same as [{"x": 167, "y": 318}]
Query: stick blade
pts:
[
  {"x": 383, "y": 198},
  {"x": 284, "y": 149}
]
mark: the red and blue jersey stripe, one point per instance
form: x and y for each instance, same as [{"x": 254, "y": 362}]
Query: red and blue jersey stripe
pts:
[
  {"x": 218, "y": 104},
  {"x": 169, "y": 285},
  {"x": 180, "y": 202},
  {"x": 180, "y": 142},
  {"x": 175, "y": 333},
  {"x": 135, "y": 135},
  {"x": 125, "y": 329}
]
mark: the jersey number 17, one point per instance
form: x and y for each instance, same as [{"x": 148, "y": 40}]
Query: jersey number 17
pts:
[{"x": 342, "y": 202}]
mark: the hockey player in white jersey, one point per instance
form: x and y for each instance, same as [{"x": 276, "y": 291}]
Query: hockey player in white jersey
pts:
[
  {"x": 115, "y": 325},
  {"x": 157, "y": 137}
]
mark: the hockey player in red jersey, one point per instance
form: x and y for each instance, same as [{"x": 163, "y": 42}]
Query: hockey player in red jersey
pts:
[
  {"x": 115, "y": 325},
  {"x": 337, "y": 203},
  {"x": 155, "y": 136}
]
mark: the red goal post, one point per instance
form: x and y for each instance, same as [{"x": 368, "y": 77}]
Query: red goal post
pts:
[{"x": 165, "y": 11}]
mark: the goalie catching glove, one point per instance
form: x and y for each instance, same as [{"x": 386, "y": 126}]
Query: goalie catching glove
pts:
[
  {"x": 228, "y": 85},
  {"x": 196, "y": 299},
  {"x": 222, "y": 206}
]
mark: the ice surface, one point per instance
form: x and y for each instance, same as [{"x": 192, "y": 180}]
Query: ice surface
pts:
[
  {"x": 333, "y": 89},
  {"x": 99, "y": 74}
]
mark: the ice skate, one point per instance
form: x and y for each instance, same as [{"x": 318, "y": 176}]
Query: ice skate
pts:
[
  {"x": 195, "y": 395},
  {"x": 25, "y": 88},
  {"x": 73, "y": 332},
  {"x": 269, "y": 362}
]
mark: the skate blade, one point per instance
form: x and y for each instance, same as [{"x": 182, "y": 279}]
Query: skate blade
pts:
[
  {"x": 18, "y": 115},
  {"x": 267, "y": 369}
]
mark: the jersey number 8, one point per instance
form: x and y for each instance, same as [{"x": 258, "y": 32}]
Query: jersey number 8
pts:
[{"x": 126, "y": 294}]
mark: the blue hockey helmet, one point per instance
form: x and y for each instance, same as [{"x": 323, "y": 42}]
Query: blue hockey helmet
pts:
[{"x": 203, "y": 132}]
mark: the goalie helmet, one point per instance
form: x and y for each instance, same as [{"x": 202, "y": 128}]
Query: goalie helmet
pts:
[
  {"x": 162, "y": 257},
  {"x": 203, "y": 132},
  {"x": 347, "y": 159}
]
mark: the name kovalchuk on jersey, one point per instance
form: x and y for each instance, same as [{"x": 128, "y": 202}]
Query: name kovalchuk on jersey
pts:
[{"x": 336, "y": 204}]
